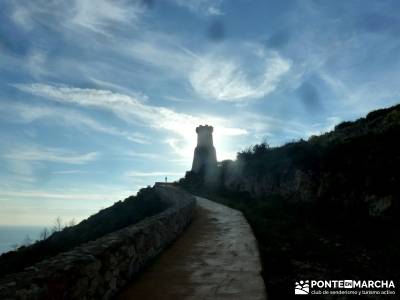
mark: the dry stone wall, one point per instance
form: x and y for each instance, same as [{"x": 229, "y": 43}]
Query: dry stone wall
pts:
[{"x": 98, "y": 269}]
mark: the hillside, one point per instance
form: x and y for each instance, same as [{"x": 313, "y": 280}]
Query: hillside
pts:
[
  {"x": 321, "y": 208},
  {"x": 352, "y": 169},
  {"x": 123, "y": 213}
]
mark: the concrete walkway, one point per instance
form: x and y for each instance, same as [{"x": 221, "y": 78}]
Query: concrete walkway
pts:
[{"x": 215, "y": 258}]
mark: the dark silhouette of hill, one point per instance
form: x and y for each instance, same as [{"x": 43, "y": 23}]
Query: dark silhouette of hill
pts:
[
  {"x": 325, "y": 208},
  {"x": 123, "y": 213}
]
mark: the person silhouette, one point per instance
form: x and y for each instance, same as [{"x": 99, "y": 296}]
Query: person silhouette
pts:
[{"x": 166, "y": 179}]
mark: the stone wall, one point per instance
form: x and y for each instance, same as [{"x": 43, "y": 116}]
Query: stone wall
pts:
[{"x": 98, "y": 269}]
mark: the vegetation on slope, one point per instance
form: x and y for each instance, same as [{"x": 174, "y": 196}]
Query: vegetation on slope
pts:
[
  {"x": 123, "y": 213},
  {"x": 351, "y": 171},
  {"x": 341, "y": 232}
]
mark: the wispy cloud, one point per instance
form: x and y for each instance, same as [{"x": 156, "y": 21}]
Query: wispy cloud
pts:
[
  {"x": 217, "y": 77},
  {"x": 21, "y": 16},
  {"x": 206, "y": 7},
  {"x": 22, "y": 171},
  {"x": 144, "y": 155},
  {"x": 99, "y": 14},
  {"x": 36, "y": 62},
  {"x": 42, "y": 206},
  {"x": 25, "y": 161},
  {"x": 55, "y": 155},
  {"x": 133, "y": 110},
  {"x": 177, "y": 99},
  {"x": 67, "y": 172},
  {"x": 128, "y": 108},
  {"x": 27, "y": 113},
  {"x": 163, "y": 51},
  {"x": 95, "y": 16},
  {"x": 227, "y": 72},
  {"x": 60, "y": 195}
]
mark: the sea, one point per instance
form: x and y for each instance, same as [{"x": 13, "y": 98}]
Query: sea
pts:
[{"x": 13, "y": 236}]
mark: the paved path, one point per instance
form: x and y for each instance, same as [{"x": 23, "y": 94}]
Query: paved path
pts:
[{"x": 215, "y": 258}]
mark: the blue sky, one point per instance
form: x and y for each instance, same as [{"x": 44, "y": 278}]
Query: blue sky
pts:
[{"x": 100, "y": 98}]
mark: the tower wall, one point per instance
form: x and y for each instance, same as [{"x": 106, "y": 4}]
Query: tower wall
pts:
[{"x": 205, "y": 158}]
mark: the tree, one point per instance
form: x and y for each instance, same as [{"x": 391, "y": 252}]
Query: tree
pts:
[
  {"x": 27, "y": 240},
  {"x": 44, "y": 234},
  {"x": 245, "y": 154},
  {"x": 261, "y": 148},
  {"x": 58, "y": 225}
]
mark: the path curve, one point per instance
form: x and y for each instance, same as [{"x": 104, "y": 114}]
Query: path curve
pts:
[{"x": 215, "y": 258}]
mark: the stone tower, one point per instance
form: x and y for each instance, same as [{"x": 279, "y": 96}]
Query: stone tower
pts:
[{"x": 205, "y": 158}]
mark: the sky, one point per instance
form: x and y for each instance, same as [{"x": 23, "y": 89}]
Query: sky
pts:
[{"x": 101, "y": 98}]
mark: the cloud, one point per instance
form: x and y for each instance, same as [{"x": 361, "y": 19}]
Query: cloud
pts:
[
  {"x": 276, "y": 130},
  {"x": 36, "y": 62},
  {"x": 152, "y": 174},
  {"x": 23, "y": 171},
  {"x": 223, "y": 79},
  {"x": 61, "y": 195},
  {"x": 24, "y": 161},
  {"x": 161, "y": 51},
  {"x": 205, "y": 7},
  {"x": 134, "y": 111},
  {"x": 41, "y": 206},
  {"x": 27, "y": 113},
  {"x": 77, "y": 14},
  {"x": 56, "y": 155},
  {"x": 100, "y": 14},
  {"x": 116, "y": 87},
  {"x": 227, "y": 72},
  {"x": 144, "y": 155},
  {"x": 67, "y": 172},
  {"x": 129, "y": 108},
  {"x": 21, "y": 16},
  {"x": 177, "y": 99}
]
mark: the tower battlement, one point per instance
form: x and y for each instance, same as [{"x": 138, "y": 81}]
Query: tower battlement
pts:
[
  {"x": 204, "y": 136},
  {"x": 204, "y": 128}
]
